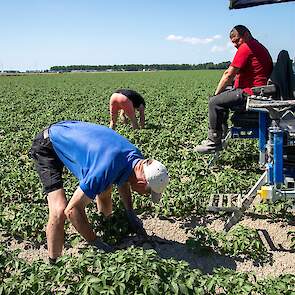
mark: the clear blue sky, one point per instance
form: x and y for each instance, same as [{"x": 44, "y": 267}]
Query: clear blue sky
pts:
[{"x": 38, "y": 34}]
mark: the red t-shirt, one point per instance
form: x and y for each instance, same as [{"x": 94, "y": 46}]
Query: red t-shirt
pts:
[{"x": 255, "y": 64}]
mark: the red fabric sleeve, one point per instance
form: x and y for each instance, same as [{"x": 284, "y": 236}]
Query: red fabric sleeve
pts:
[{"x": 241, "y": 56}]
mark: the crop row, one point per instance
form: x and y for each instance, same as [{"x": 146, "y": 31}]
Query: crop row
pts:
[
  {"x": 133, "y": 271},
  {"x": 176, "y": 122}
]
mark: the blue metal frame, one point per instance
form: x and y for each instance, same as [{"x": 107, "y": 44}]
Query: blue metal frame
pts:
[
  {"x": 278, "y": 155},
  {"x": 259, "y": 132}
]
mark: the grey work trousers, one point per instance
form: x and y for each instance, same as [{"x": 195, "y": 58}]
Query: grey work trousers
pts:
[{"x": 219, "y": 106}]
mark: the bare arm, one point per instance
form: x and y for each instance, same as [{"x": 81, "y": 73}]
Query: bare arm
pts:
[
  {"x": 113, "y": 112},
  {"x": 113, "y": 120},
  {"x": 134, "y": 121},
  {"x": 126, "y": 197},
  {"x": 226, "y": 79},
  {"x": 141, "y": 115},
  {"x": 123, "y": 117},
  {"x": 134, "y": 221},
  {"x": 75, "y": 212}
]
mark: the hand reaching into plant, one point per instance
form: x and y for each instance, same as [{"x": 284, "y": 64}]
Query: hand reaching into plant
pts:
[
  {"x": 135, "y": 223},
  {"x": 101, "y": 245}
]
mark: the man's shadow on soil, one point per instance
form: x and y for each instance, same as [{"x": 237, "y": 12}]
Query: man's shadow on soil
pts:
[
  {"x": 206, "y": 261},
  {"x": 171, "y": 249}
]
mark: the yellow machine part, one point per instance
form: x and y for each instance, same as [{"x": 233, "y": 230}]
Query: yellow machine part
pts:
[{"x": 265, "y": 193}]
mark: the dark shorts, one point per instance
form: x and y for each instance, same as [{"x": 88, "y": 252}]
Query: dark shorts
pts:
[{"x": 47, "y": 163}]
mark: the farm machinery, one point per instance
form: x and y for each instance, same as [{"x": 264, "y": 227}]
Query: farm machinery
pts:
[
  {"x": 269, "y": 117},
  {"x": 276, "y": 134},
  {"x": 277, "y": 153}
]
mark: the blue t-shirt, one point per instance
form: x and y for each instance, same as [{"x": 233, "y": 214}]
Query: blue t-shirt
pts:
[{"x": 96, "y": 155}]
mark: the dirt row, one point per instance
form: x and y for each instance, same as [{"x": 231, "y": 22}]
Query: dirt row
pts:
[{"x": 168, "y": 237}]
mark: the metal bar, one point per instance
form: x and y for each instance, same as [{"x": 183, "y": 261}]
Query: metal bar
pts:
[
  {"x": 287, "y": 194},
  {"x": 246, "y": 203},
  {"x": 239, "y": 201},
  {"x": 269, "y": 170},
  {"x": 262, "y": 136},
  {"x": 228, "y": 200},
  {"x": 259, "y": 183},
  {"x": 278, "y": 156},
  {"x": 220, "y": 201},
  {"x": 211, "y": 201},
  {"x": 254, "y": 104},
  {"x": 213, "y": 159}
]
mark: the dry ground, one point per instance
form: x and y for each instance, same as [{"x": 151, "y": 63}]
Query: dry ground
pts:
[{"x": 170, "y": 235}]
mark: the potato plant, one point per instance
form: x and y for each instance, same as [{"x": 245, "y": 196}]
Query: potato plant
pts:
[
  {"x": 132, "y": 271},
  {"x": 176, "y": 121},
  {"x": 113, "y": 228},
  {"x": 240, "y": 241},
  {"x": 281, "y": 209}
]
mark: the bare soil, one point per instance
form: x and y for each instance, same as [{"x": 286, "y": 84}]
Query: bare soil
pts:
[{"x": 168, "y": 237}]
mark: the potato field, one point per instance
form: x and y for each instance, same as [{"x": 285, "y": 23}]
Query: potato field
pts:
[{"x": 201, "y": 259}]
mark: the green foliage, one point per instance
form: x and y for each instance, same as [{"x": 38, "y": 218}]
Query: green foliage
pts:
[
  {"x": 275, "y": 210},
  {"x": 285, "y": 284},
  {"x": 132, "y": 271},
  {"x": 204, "y": 240},
  {"x": 125, "y": 272},
  {"x": 240, "y": 242},
  {"x": 24, "y": 220},
  {"x": 29, "y": 103},
  {"x": 141, "y": 67},
  {"x": 111, "y": 229},
  {"x": 176, "y": 121}
]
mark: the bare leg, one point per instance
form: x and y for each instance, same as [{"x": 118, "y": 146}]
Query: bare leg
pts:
[
  {"x": 123, "y": 117},
  {"x": 113, "y": 121},
  {"x": 55, "y": 228},
  {"x": 134, "y": 122},
  {"x": 113, "y": 111},
  {"x": 141, "y": 115},
  {"x": 75, "y": 212}
]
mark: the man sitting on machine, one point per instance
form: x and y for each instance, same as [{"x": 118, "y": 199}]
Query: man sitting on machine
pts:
[{"x": 251, "y": 66}]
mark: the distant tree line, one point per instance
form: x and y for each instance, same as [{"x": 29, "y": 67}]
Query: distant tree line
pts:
[{"x": 141, "y": 67}]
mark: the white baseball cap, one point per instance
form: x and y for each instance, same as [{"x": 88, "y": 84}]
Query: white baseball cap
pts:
[{"x": 157, "y": 178}]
